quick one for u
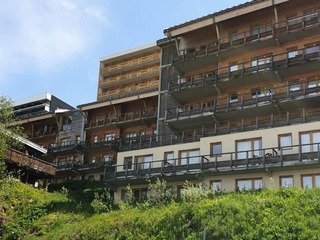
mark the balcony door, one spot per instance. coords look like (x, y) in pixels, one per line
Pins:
(250, 148)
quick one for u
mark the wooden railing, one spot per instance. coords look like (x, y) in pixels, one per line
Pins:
(130, 63)
(129, 75)
(305, 154)
(130, 89)
(124, 117)
(30, 162)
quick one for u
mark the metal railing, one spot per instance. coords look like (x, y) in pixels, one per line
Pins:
(268, 96)
(300, 23)
(83, 166)
(273, 63)
(232, 161)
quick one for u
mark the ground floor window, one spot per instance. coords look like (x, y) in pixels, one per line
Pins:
(249, 184)
(311, 181)
(216, 185)
(137, 194)
(286, 181)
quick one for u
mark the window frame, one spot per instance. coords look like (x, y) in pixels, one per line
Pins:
(279, 141)
(188, 151)
(252, 150)
(313, 181)
(286, 177)
(253, 183)
(216, 181)
(212, 154)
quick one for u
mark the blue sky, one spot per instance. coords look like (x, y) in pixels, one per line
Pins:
(55, 45)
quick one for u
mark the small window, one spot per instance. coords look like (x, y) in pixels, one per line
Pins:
(233, 36)
(233, 98)
(127, 163)
(295, 86)
(285, 141)
(311, 181)
(95, 139)
(286, 181)
(216, 149)
(216, 185)
(169, 158)
(93, 160)
(233, 68)
(292, 53)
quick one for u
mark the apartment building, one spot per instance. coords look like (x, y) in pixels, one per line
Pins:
(238, 102)
(230, 99)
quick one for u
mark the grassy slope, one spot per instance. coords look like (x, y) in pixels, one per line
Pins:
(269, 214)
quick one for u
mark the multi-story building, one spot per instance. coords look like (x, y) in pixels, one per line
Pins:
(230, 99)
(238, 102)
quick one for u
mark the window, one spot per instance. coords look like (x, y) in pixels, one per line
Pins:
(292, 53)
(261, 61)
(216, 149)
(138, 194)
(309, 141)
(109, 137)
(91, 177)
(311, 181)
(127, 163)
(216, 185)
(285, 141)
(129, 136)
(249, 184)
(233, 36)
(143, 162)
(249, 148)
(107, 158)
(169, 158)
(93, 160)
(233, 68)
(295, 86)
(189, 156)
(313, 83)
(261, 92)
(95, 139)
(233, 98)
(292, 20)
(286, 181)
(257, 30)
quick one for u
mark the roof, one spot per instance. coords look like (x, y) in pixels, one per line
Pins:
(213, 15)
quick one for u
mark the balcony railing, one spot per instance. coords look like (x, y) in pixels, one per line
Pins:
(131, 62)
(44, 133)
(219, 128)
(130, 90)
(125, 117)
(116, 80)
(35, 164)
(64, 146)
(79, 166)
(225, 74)
(300, 23)
(266, 97)
(267, 158)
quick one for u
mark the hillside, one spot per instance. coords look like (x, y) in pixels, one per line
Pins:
(269, 214)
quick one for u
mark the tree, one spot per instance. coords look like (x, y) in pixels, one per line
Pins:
(8, 130)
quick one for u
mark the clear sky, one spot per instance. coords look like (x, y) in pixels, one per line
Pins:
(55, 45)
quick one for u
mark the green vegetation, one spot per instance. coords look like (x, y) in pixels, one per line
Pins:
(82, 210)
(6, 129)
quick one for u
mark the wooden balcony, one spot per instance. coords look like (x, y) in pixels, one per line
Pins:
(139, 117)
(209, 54)
(130, 64)
(130, 77)
(220, 128)
(270, 101)
(131, 90)
(297, 156)
(42, 133)
(110, 144)
(30, 163)
(276, 68)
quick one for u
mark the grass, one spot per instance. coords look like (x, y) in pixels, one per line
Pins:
(266, 214)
